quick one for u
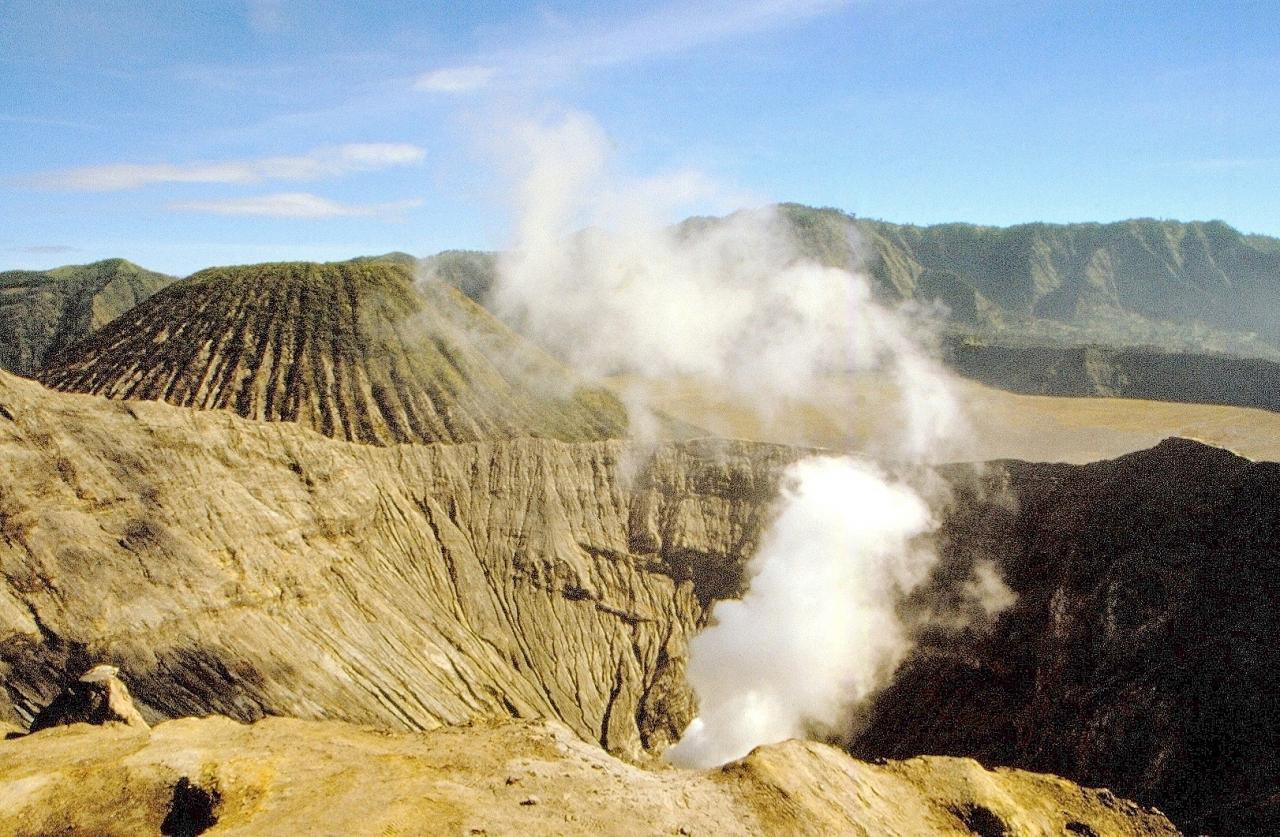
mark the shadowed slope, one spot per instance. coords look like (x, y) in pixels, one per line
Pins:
(1141, 651)
(353, 350)
(42, 311)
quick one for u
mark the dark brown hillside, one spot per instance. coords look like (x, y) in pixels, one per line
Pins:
(356, 351)
(1141, 654)
(1124, 372)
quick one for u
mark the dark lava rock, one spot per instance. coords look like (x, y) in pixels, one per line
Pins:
(1141, 653)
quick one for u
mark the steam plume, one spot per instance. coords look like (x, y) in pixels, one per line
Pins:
(816, 631)
(733, 304)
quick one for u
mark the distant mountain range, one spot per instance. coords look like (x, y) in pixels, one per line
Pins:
(1198, 286)
(1166, 284)
(1143, 295)
(42, 311)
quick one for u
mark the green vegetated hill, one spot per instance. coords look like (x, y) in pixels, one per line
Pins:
(1195, 286)
(356, 350)
(1200, 286)
(42, 311)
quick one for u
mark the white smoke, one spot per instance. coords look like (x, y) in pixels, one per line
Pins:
(732, 304)
(987, 589)
(729, 303)
(816, 631)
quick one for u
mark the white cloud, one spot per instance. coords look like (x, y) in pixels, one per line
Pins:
(45, 249)
(314, 165)
(674, 28)
(456, 79)
(689, 25)
(266, 16)
(302, 205)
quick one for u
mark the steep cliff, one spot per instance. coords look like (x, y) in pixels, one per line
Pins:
(1121, 372)
(256, 568)
(43, 311)
(1140, 653)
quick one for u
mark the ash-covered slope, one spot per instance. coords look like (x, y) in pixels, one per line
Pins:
(43, 311)
(252, 568)
(354, 350)
(1141, 653)
(249, 568)
(282, 776)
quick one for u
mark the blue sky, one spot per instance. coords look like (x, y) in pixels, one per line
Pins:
(181, 135)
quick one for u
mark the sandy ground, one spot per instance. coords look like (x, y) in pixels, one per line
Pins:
(857, 412)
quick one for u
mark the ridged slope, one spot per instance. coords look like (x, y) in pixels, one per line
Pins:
(1196, 285)
(42, 311)
(354, 350)
(253, 568)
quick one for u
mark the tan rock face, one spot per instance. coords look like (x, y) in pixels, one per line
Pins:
(98, 697)
(283, 776)
(253, 568)
(256, 568)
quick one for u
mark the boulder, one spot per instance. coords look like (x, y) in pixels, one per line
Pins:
(98, 697)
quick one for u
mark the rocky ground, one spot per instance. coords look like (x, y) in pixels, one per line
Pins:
(285, 776)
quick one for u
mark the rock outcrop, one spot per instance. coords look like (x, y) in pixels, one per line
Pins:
(282, 776)
(1141, 652)
(43, 311)
(354, 350)
(97, 697)
(253, 568)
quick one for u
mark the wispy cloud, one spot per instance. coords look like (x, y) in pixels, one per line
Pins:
(456, 79)
(301, 205)
(1226, 164)
(45, 249)
(685, 26)
(266, 16)
(675, 28)
(314, 165)
(19, 119)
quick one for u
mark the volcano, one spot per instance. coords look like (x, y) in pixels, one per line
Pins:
(356, 351)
